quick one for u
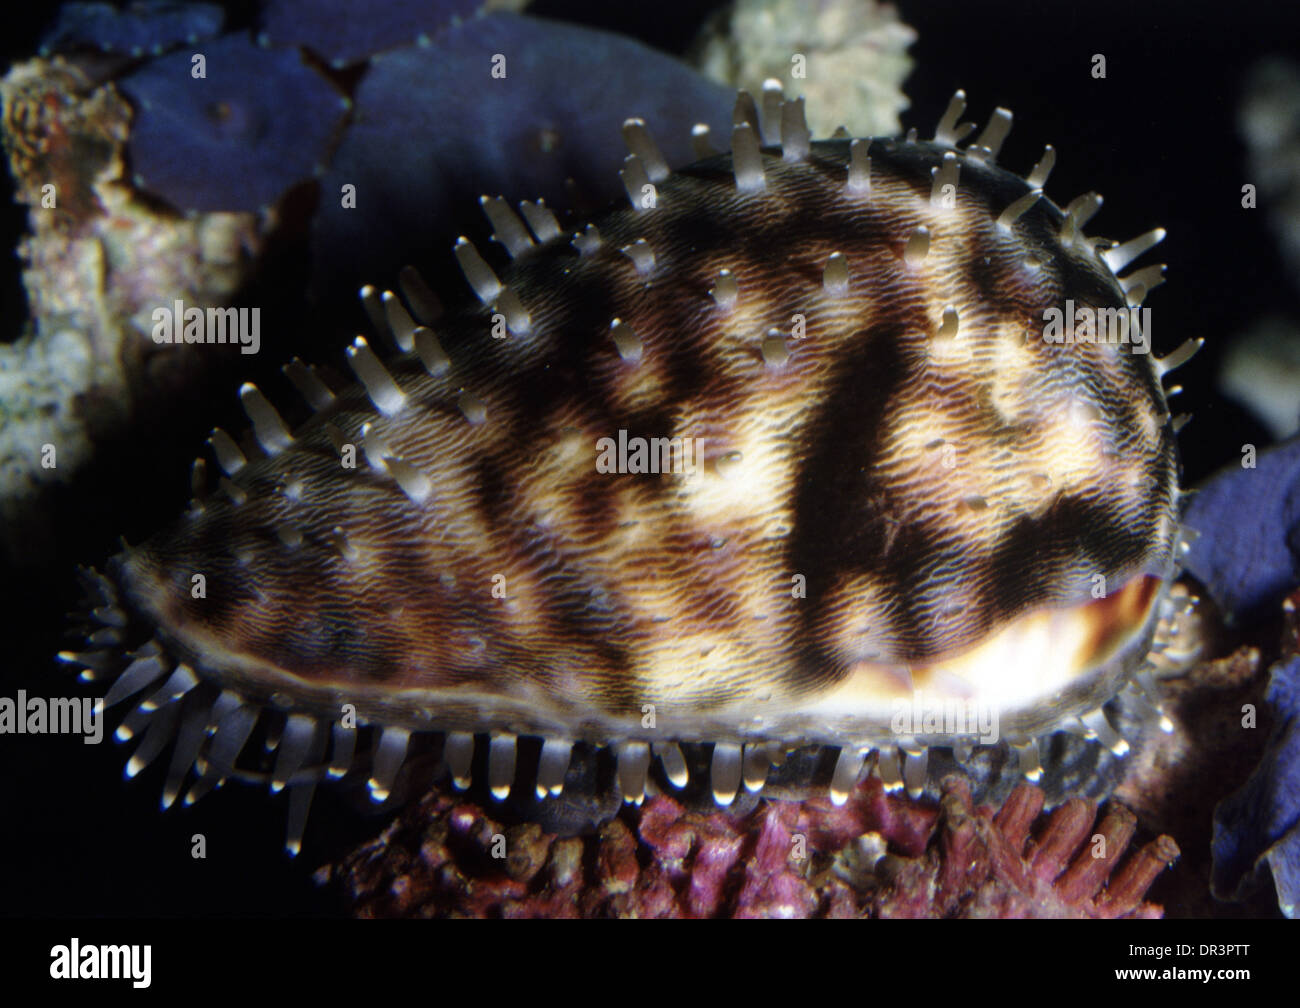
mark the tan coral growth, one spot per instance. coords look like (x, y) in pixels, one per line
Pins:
(98, 260)
(847, 57)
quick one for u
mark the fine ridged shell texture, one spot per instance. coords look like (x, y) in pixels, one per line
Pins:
(749, 460)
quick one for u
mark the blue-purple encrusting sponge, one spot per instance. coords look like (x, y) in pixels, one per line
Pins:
(146, 26)
(1248, 553)
(1261, 822)
(341, 33)
(462, 133)
(237, 139)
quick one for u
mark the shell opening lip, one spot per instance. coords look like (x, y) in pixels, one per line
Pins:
(1092, 648)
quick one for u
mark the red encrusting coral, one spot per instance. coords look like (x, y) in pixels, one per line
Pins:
(878, 856)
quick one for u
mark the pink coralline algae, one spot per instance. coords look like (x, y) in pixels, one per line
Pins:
(877, 856)
(982, 863)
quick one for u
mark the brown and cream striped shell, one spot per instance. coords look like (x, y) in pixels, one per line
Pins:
(751, 461)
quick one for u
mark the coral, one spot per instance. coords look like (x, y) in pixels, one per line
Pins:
(1248, 564)
(61, 132)
(539, 131)
(145, 26)
(849, 58)
(36, 410)
(986, 864)
(333, 31)
(97, 262)
(235, 139)
(878, 855)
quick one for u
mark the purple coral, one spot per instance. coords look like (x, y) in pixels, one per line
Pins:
(145, 26)
(235, 139)
(342, 31)
(1248, 553)
(498, 107)
(448, 109)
